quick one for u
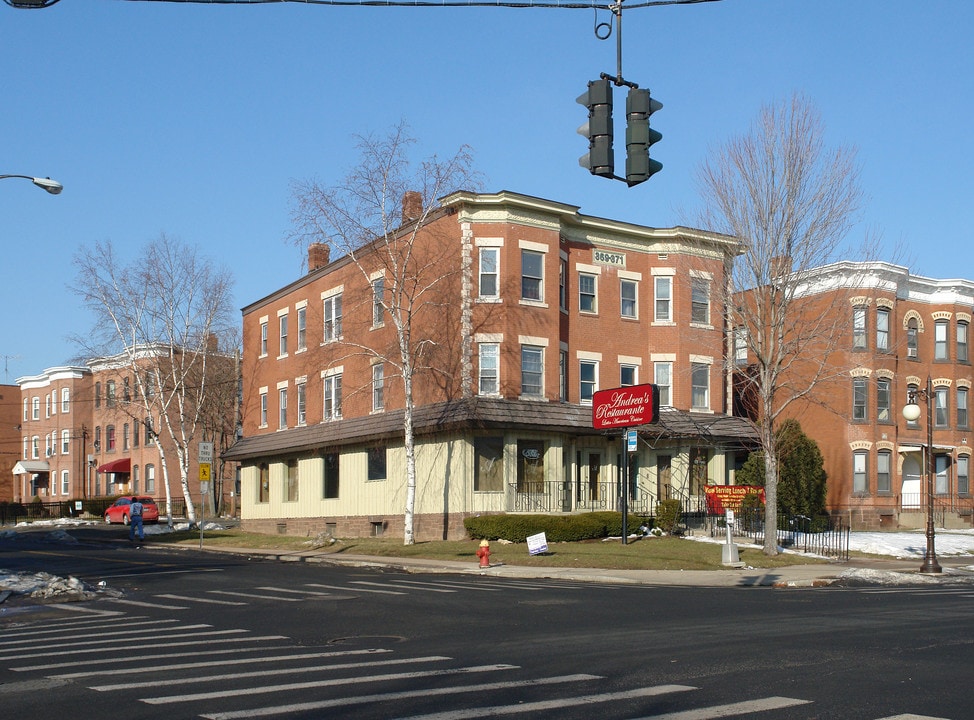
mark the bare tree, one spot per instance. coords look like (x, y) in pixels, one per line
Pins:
(381, 217)
(161, 317)
(792, 201)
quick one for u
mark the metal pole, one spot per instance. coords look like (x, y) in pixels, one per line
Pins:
(930, 564)
(624, 486)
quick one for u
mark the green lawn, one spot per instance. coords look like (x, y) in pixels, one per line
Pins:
(666, 553)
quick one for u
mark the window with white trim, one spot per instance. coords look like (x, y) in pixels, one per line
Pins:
(489, 285)
(588, 380)
(532, 275)
(587, 286)
(860, 472)
(378, 301)
(664, 381)
(962, 417)
(332, 312)
(859, 328)
(489, 372)
(859, 399)
(302, 327)
(263, 338)
(663, 299)
(282, 323)
(940, 340)
(699, 386)
(628, 375)
(882, 329)
(282, 407)
(263, 411)
(962, 349)
(332, 405)
(378, 387)
(628, 307)
(532, 370)
(700, 301)
(884, 463)
(302, 388)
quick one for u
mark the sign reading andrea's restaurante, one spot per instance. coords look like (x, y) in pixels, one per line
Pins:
(625, 406)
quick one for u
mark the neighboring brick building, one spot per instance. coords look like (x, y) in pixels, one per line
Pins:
(898, 329)
(529, 308)
(10, 450)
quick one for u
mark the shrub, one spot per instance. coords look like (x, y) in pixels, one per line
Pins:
(668, 515)
(557, 528)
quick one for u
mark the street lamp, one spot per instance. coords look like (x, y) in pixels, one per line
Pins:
(911, 412)
(52, 186)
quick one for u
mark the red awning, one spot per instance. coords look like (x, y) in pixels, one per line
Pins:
(122, 465)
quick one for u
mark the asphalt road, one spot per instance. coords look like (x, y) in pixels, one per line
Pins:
(183, 633)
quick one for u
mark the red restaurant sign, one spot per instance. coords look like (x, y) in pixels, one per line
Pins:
(625, 406)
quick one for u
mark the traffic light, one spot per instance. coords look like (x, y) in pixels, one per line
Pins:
(598, 128)
(639, 136)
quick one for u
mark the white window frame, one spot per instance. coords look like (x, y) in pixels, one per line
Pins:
(331, 310)
(537, 282)
(263, 408)
(535, 352)
(282, 330)
(588, 380)
(588, 297)
(331, 393)
(282, 406)
(488, 374)
(489, 257)
(302, 323)
(378, 387)
(697, 369)
(633, 301)
(663, 293)
(301, 389)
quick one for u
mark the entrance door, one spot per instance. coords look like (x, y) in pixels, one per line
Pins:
(664, 465)
(590, 492)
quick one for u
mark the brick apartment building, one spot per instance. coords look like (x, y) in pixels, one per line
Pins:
(899, 329)
(85, 434)
(529, 307)
(9, 438)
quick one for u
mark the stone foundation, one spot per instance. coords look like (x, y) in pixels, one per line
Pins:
(425, 527)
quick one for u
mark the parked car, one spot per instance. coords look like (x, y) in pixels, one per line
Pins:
(118, 512)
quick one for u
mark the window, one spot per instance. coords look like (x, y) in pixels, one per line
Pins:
(489, 266)
(627, 299)
(700, 386)
(532, 275)
(136, 431)
(859, 328)
(963, 475)
(378, 386)
(378, 301)
(912, 338)
(586, 293)
(962, 355)
(859, 478)
(65, 483)
(882, 329)
(664, 374)
(147, 423)
(377, 463)
(563, 284)
(664, 291)
(332, 408)
(110, 438)
(263, 482)
(65, 442)
(530, 466)
(740, 345)
(110, 393)
(302, 388)
(588, 376)
(700, 301)
(563, 375)
(962, 417)
(532, 370)
(47, 406)
(282, 321)
(97, 443)
(135, 475)
(488, 383)
(330, 480)
(941, 484)
(940, 411)
(859, 399)
(628, 375)
(36, 446)
(302, 328)
(488, 471)
(263, 339)
(940, 340)
(333, 318)
(911, 396)
(263, 411)
(26, 409)
(883, 400)
(36, 408)
(883, 465)
(291, 486)
(127, 390)
(282, 408)
(126, 438)
(150, 478)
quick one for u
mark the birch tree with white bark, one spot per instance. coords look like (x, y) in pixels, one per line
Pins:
(362, 217)
(792, 200)
(160, 317)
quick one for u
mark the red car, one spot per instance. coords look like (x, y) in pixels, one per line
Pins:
(118, 512)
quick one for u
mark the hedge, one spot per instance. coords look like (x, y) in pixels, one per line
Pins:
(557, 528)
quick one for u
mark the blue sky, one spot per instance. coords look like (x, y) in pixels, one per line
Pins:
(193, 119)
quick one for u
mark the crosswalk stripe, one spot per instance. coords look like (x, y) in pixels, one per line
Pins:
(392, 584)
(548, 705)
(348, 589)
(402, 695)
(139, 603)
(126, 660)
(910, 716)
(222, 663)
(462, 586)
(264, 689)
(266, 673)
(254, 595)
(297, 592)
(211, 601)
(73, 607)
(81, 625)
(731, 709)
(156, 645)
(80, 639)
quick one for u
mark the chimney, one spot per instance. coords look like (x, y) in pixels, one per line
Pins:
(318, 254)
(412, 206)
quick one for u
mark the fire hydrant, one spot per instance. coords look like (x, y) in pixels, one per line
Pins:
(483, 552)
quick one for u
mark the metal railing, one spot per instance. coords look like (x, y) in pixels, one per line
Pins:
(12, 513)
(824, 535)
(558, 496)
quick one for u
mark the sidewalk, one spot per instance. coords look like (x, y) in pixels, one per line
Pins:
(879, 571)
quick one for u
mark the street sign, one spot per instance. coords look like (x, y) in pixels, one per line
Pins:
(625, 406)
(204, 488)
(205, 452)
(631, 441)
(204, 471)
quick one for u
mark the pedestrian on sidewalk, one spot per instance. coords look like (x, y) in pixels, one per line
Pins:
(135, 520)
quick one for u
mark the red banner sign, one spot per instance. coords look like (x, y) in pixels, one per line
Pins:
(625, 406)
(729, 497)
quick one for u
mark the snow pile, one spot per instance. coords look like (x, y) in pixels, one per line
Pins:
(45, 586)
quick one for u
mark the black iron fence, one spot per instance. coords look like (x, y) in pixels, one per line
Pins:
(559, 496)
(824, 535)
(12, 513)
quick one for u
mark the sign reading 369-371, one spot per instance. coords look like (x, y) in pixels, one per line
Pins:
(625, 406)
